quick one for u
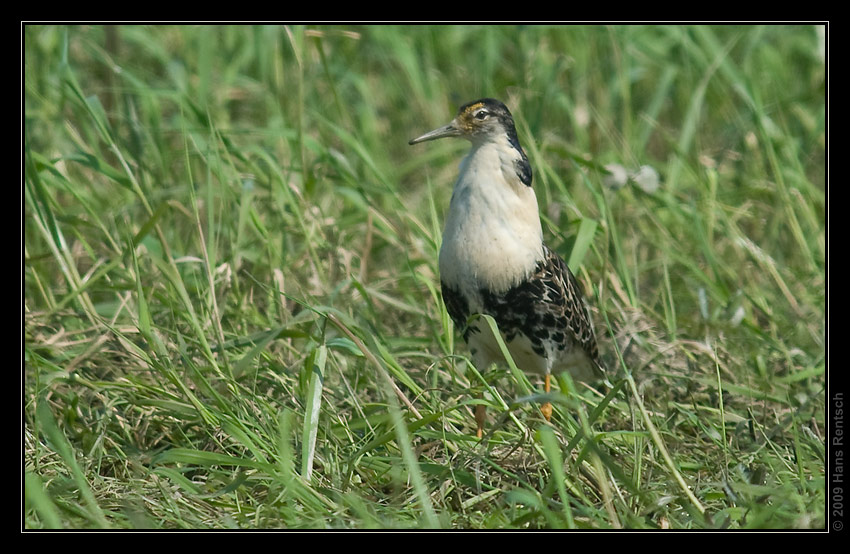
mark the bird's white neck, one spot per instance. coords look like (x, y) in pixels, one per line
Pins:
(493, 230)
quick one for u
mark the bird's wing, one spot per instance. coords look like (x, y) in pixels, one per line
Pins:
(566, 299)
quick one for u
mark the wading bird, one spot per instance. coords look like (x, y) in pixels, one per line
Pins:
(493, 260)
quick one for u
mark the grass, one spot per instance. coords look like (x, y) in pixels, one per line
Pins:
(232, 315)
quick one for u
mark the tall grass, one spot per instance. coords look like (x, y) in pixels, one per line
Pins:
(232, 315)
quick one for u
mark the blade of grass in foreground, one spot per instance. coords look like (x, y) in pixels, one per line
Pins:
(37, 497)
(402, 436)
(60, 442)
(553, 455)
(312, 409)
(659, 443)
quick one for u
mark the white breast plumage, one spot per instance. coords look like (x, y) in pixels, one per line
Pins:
(493, 238)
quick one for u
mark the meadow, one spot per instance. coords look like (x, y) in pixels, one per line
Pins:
(231, 306)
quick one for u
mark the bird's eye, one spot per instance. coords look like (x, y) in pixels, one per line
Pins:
(482, 114)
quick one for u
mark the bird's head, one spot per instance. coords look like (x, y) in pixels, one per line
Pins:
(477, 121)
(486, 121)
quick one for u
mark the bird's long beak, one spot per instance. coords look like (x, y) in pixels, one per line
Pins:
(449, 130)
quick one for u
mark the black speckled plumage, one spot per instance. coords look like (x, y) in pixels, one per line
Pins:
(547, 308)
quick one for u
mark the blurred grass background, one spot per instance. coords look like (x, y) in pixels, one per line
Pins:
(231, 307)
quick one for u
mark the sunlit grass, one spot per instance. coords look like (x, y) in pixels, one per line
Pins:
(232, 315)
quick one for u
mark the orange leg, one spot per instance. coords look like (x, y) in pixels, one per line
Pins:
(480, 416)
(547, 407)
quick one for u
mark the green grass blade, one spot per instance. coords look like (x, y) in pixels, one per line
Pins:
(38, 498)
(313, 409)
(60, 443)
(552, 449)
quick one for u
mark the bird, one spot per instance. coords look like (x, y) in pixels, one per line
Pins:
(493, 259)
